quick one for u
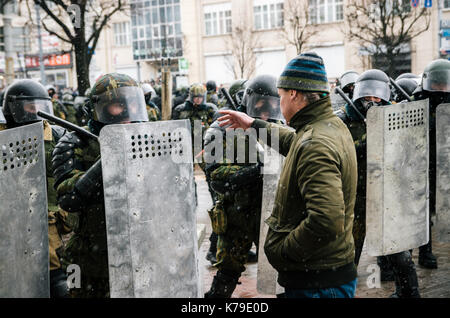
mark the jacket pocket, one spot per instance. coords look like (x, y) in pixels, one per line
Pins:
(218, 218)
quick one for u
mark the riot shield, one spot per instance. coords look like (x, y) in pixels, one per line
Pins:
(442, 226)
(397, 178)
(24, 255)
(148, 185)
(267, 275)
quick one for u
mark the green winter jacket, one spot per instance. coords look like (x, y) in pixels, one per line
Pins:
(310, 240)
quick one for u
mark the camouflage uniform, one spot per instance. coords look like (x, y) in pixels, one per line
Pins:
(71, 113)
(59, 109)
(88, 246)
(237, 212)
(204, 112)
(153, 112)
(211, 97)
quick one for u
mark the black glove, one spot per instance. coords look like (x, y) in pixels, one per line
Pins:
(63, 156)
(89, 185)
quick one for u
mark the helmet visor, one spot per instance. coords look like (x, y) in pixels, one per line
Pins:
(436, 81)
(374, 88)
(121, 105)
(264, 107)
(25, 110)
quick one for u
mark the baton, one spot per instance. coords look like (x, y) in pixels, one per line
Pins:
(349, 101)
(228, 97)
(401, 90)
(68, 125)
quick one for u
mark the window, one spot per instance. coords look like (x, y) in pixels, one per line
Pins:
(156, 29)
(268, 14)
(446, 4)
(122, 34)
(217, 19)
(323, 11)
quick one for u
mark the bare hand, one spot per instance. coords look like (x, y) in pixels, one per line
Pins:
(234, 119)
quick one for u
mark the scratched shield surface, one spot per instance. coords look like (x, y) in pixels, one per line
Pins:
(397, 177)
(442, 226)
(24, 266)
(148, 185)
(267, 275)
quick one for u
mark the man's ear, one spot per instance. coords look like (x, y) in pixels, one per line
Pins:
(293, 94)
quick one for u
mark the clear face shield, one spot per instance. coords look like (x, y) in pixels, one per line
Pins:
(239, 96)
(25, 110)
(121, 106)
(436, 81)
(197, 99)
(265, 107)
(374, 88)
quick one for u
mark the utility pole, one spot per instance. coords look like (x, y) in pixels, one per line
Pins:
(41, 55)
(166, 89)
(9, 42)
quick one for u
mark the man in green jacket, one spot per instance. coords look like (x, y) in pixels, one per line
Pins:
(310, 240)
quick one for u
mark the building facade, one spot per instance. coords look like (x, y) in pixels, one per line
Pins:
(222, 40)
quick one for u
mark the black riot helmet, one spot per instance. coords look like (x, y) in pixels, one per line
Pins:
(407, 75)
(347, 82)
(211, 86)
(237, 90)
(24, 98)
(408, 85)
(261, 98)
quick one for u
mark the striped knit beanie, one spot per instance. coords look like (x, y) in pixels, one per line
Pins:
(306, 72)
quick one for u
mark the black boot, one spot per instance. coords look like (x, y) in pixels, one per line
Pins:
(58, 284)
(211, 255)
(386, 272)
(426, 257)
(252, 257)
(222, 286)
(406, 283)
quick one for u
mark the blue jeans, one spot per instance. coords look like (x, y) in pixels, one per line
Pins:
(343, 291)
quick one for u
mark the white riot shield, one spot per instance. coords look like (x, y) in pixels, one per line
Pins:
(267, 275)
(24, 256)
(397, 178)
(442, 226)
(148, 185)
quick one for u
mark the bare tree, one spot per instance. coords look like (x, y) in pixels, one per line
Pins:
(242, 43)
(383, 27)
(88, 17)
(298, 27)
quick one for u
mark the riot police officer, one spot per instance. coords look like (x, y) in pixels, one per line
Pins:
(408, 85)
(21, 102)
(435, 85)
(114, 99)
(152, 110)
(347, 82)
(211, 95)
(372, 89)
(236, 215)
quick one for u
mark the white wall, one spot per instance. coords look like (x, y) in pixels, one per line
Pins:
(216, 69)
(270, 62)
(333, 58)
